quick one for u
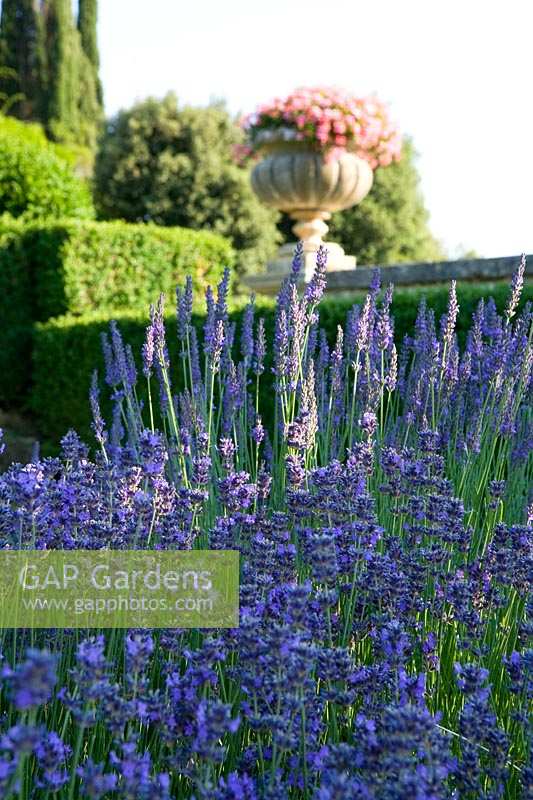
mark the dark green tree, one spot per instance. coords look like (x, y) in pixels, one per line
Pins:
(174, 166)
(87, 17)
(391, 224)
(62, 71)
(49, 68)
(73, 110)
(21, 58)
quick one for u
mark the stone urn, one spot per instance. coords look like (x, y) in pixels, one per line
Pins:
(295, 178)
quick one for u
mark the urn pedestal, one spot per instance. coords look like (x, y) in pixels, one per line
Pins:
(309, 186)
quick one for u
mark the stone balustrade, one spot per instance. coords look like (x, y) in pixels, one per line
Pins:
(468, 269)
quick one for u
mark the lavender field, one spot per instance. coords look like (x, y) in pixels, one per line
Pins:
(379, 503)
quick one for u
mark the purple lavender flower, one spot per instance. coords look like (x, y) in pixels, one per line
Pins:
(258, 431)
(297, 260)
(368, 423)
(361, 570)
(471, 680)
(72, 448)
(136, 780)
(52, 754)
(227, 449)
(235, 787)
(213, 720)
(112, 372)
(295, 469)
(260, 348)
(184, 300)
(210, 317)
(451, 314)
(139, 648)
(236, 491)
(98, 424)
(289, 284)
(391, 378)
(214, 348)
(21, 739)
(32, 682)
(8, 770)
(221, 308)
(148, 351)
(375, 282)
(517, 285)
(96, 783)
(384, 330)
(316, 286)
(153, 452)
(363, 326)
(247, 336)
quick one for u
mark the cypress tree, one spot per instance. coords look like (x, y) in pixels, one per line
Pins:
(87, 16)
(62, 118)
(73, 110)
(21, 58)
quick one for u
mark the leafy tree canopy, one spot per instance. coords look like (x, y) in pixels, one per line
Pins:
(174, 166)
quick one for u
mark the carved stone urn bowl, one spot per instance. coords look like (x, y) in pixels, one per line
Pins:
(309, 186)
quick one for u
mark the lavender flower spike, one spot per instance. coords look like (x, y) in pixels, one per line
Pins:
(316, 286)
(148, 351)
(297, 261)
(184, 301)
(98, 424)
(517, 284)
(451, 315)
(247, 336)
(260, 348)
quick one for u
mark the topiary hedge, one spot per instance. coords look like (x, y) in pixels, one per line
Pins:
(67, 349)
(81, 267)
(76, 267)
(16, 312)
(36, 183)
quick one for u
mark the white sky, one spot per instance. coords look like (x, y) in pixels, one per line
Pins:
(458, 77)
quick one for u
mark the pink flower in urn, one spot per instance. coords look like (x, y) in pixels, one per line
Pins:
(330, 120)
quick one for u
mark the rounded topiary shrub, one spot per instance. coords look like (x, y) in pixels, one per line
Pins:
(36, 183)
(175, 166)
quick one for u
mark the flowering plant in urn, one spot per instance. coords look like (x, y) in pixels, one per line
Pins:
(329, 120)
(318, 148)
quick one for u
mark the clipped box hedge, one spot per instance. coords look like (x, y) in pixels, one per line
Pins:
(36, 181)
(67, 349)
(16, 312)
(75, 267)
(80, 267)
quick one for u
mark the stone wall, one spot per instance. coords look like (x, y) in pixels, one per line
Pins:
(471, 269)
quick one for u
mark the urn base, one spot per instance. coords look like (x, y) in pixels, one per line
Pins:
(280, 267)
